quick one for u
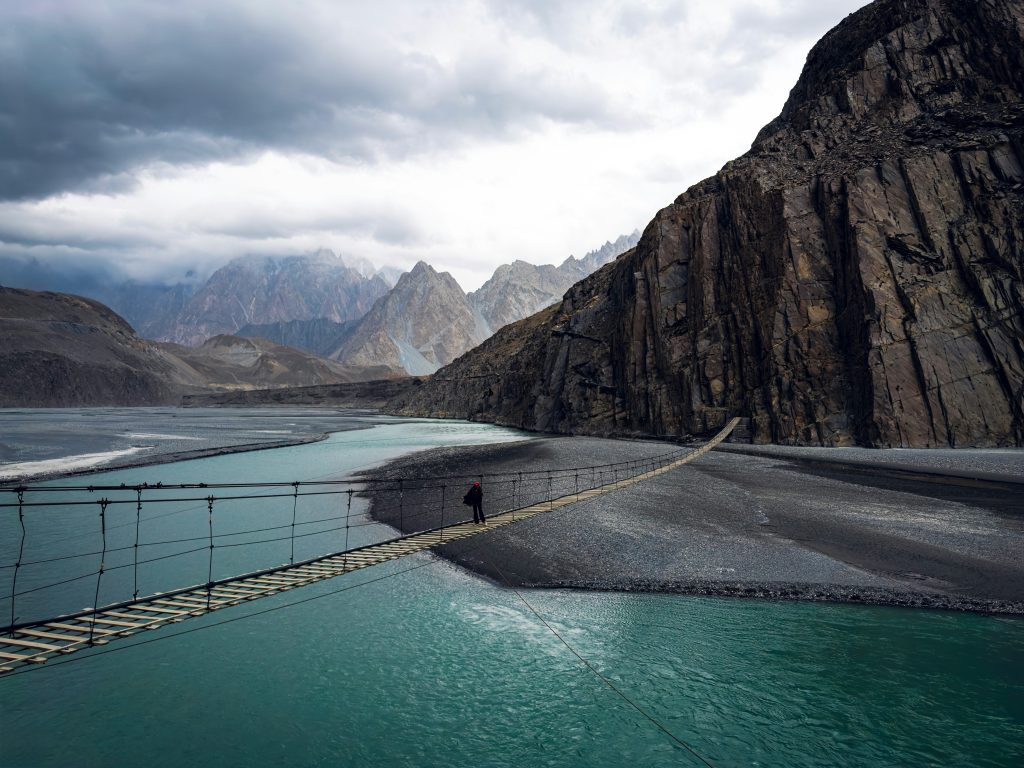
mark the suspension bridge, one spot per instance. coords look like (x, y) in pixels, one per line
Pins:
(35, 639)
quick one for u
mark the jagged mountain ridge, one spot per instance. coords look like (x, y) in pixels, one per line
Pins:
(424, 322)
(520, 289)
(855, 278)
(439, 310)
(266, 290)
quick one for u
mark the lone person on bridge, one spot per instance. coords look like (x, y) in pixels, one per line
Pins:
(476, 498)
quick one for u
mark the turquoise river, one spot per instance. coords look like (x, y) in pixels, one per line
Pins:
(417, 663)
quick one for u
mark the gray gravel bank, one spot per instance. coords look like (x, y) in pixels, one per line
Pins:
(739, 525)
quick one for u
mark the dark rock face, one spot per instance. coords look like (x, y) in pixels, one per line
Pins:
(857, 277)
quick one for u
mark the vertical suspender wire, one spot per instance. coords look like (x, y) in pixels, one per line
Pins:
(209, 574)
(21, 552)
(348, 514)
(138, 520)
(99, 574)
(401, 506)
(295, 504)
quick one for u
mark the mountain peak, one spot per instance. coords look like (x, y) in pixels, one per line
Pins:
(422, 268)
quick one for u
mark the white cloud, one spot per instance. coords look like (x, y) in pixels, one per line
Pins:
(467, 134)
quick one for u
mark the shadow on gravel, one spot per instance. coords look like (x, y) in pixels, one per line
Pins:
(1004, 499)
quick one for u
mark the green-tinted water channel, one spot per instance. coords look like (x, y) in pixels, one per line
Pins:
(432, 666)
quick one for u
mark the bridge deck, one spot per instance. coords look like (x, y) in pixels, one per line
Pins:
(36, 642)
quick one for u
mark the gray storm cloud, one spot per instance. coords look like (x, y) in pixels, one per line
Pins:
(393, 130)
(90, 92)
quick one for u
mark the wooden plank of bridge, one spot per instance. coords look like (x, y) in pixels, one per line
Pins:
(176, 606)
(21, 657)
(31, 644)
(50, 635)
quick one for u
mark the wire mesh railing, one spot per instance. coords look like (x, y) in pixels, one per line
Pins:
(68, 546)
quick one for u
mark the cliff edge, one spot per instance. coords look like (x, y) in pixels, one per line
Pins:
(855, 278)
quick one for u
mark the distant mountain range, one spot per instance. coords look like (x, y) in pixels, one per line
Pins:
(254, 289)
(65, 350)
(345, 309)
(426, 320)
(262, 322)
(519, 289)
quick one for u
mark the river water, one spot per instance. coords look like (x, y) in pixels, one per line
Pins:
(415, 662)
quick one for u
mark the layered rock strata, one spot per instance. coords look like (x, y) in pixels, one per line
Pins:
(855, 278)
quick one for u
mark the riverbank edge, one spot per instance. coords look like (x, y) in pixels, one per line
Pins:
(733, 589)
(783, 591)
(169, 458)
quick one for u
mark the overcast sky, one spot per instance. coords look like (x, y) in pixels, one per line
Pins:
(144, 140)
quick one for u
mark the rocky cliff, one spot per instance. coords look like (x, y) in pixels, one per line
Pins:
(424, 322)
(855, 278)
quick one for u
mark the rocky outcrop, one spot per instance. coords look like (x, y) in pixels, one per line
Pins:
(424, 322)
(519, 289)
(60, 351)
(260, 290)
(857, 277)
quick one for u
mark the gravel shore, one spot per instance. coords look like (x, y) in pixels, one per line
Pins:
(901, 529)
